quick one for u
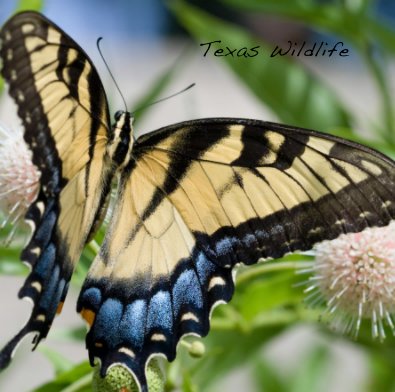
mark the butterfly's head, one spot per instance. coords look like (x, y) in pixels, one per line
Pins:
(121, 141)
(121, 117)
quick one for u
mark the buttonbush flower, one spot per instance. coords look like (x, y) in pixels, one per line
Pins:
(19, 178)
(119, 379)
(354, 275)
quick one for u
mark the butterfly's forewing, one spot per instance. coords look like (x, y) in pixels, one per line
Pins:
(63, 108)
(198, 198)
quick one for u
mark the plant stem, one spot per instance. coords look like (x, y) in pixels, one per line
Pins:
(94, 247)
(251, 273)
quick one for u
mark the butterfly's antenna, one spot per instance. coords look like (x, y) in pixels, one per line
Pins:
(164, 99)
(108, 69)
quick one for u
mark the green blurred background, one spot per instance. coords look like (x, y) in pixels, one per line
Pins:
(267, 339)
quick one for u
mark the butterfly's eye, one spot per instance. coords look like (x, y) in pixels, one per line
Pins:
(118, 115)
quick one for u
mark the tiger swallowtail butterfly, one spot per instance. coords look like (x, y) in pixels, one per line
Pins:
(193, 200)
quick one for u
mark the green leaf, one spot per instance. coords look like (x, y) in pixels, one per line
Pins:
(226, 350)
(67, 334)
(267, 378)
(87, 257)
(60, 363)
(283, 85)
(330, 17)
(77, 379)
(268, 293)
(381, 373)
(357, 24)
(187, 384)
(10, 263)
(312, 375)
(351, 21)
(292, 262)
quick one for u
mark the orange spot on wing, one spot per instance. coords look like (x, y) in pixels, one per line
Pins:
(88, 315)
(60, 307)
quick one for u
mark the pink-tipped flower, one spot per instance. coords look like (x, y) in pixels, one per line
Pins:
(355, 276)
(19, 178)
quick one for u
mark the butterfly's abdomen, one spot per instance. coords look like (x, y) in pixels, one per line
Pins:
(121, 142)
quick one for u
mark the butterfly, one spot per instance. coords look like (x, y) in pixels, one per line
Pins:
(193, 200)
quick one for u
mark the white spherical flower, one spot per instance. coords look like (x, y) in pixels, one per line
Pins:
(354, 275)
(19, 178)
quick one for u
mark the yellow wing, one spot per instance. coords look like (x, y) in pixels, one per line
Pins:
(198, 198)
(64, 111)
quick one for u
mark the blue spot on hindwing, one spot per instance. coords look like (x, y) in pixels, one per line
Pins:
(249, 240)
(108, 321)
(205, 268)
(225, 246)
(91, 298)
(187, 290)
(47, 297)
(132, 326)
(160, 311)
(44, 230)
(56, 298)
(262, 235)
(45, 262)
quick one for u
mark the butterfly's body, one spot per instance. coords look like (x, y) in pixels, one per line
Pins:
(193, 200)
(121, 142)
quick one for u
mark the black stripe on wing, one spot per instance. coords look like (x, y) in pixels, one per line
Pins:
(193, 147)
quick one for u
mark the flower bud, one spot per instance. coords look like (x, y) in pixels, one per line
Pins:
(197, 349)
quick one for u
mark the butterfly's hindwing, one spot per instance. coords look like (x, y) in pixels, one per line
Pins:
(199, 198)
(63, 108)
